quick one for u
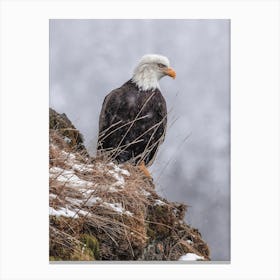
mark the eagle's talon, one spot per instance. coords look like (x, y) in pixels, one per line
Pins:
(145, 170)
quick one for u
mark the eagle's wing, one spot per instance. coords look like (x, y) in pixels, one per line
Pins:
(107, 112)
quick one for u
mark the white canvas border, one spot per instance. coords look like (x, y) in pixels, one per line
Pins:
(254, 131)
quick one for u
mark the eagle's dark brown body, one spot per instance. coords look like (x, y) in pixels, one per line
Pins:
(132, 124)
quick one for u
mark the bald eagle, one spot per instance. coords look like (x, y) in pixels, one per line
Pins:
(133, 118)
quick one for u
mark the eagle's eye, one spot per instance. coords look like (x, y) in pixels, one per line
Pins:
(160, 65)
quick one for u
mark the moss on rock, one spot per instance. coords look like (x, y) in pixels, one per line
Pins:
(91, 244)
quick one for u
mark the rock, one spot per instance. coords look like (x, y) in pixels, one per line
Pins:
(60, 124)
(103, 211)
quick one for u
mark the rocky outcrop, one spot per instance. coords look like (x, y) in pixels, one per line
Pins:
(103, 211)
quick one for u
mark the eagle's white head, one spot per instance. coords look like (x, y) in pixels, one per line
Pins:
(151, 68)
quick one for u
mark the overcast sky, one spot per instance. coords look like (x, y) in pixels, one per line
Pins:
(89, 58)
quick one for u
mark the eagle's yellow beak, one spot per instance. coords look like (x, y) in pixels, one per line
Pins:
(170, 72)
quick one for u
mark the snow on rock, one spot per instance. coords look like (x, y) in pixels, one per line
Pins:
(89, 195)
(82, 212)
(191, 257)
(159, 202)
(92, 201)
(68, 177)
(87, 191)
(52, 196)
(67, 139)
(119, 179)
(74, 201)
(113, 189)
(68, 155)
(66, 212)
(117, 208)
(117, 173)
(55, 170)
(83, 167)
(62, 212)
(118, 169)
(145, 192)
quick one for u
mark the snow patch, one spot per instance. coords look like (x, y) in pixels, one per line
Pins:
(118, 169)
(117, 173)
(119, 179)
(159, 202)
(82, 212)
(144, 192)
(69, 177)
(190, 257)
(69, 155)
(52, 196)
(55, 170)
(113, 189)
(117, 208)
(62, 212)
(74, 201)
(86, 192)
(84, 202)
(93, 200)
(67, 139)
(83, 167)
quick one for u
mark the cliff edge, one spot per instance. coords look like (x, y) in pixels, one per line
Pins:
(99, 210)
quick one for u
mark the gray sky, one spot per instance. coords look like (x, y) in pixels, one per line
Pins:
(89, 58)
